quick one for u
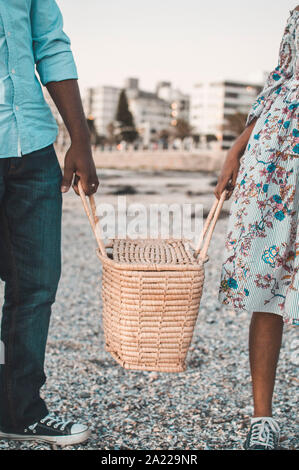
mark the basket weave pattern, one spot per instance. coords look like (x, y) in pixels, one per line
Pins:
(149, 308)
(151, 293)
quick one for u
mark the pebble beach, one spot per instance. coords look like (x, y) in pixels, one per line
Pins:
(208, 406)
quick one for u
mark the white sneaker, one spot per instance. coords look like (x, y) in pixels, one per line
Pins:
(52, 430)
(263, 434)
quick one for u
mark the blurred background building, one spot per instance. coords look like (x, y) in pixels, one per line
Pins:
(100, 104)
(154, 112)
(165, 55)
(219, 109)
(212, 117)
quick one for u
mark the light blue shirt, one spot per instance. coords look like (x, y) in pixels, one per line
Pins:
(31, 34)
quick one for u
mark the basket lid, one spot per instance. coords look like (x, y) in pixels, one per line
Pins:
(153, 251)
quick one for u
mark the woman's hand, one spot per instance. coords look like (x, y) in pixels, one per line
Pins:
(228, 175)
(230, 169)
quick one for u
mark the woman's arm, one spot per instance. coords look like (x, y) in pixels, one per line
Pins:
(230, 169)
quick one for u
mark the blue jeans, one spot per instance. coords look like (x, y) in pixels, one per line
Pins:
(30, 264)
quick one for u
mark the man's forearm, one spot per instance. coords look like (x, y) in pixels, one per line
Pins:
(78, 162)
(66, 96)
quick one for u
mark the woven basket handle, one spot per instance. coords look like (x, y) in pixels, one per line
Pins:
(92, 217)
(209, 226)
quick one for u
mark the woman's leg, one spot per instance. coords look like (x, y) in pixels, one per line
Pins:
(264, 345)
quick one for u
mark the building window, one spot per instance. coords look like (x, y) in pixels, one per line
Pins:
(229, 94)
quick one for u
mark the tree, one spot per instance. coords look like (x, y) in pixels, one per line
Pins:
(111, 133)
(100, 140)
(93, 131)
(124, 117)
(182, 129)
(235, 123)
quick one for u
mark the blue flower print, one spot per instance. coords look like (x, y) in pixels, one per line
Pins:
(259, 264)
(271, 167)
(270, 254)
(279, 215)
(232, 283)
(296, 148)
(277, 198)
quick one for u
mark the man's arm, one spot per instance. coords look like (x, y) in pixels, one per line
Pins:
(57, 70)
(78, 159)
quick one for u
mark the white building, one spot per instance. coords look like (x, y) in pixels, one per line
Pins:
(151, 113)
(100, 104)
(212, 103)
(179, 102)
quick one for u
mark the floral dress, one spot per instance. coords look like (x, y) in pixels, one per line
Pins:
(260, 267)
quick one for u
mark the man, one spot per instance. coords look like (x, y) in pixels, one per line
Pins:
(31, 184)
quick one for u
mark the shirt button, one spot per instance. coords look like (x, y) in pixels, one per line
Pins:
(13, 71)
(8, 33)
(17, 108)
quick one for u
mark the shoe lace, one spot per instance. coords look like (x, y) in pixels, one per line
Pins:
(263, 432)
(51, 420)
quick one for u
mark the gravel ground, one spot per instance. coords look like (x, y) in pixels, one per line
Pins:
(206, 407)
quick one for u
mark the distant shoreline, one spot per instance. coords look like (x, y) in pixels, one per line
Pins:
(204, 161)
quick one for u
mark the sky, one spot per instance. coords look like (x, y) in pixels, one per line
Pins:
(184, 42)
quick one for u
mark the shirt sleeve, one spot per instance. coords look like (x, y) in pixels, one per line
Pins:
(51, 46)
(284, 69)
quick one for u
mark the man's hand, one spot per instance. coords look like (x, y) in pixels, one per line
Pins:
(79, 162)
(78, 159)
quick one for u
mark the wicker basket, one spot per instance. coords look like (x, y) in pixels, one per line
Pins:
(151, 293)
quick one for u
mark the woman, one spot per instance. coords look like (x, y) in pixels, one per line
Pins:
(260, 269)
